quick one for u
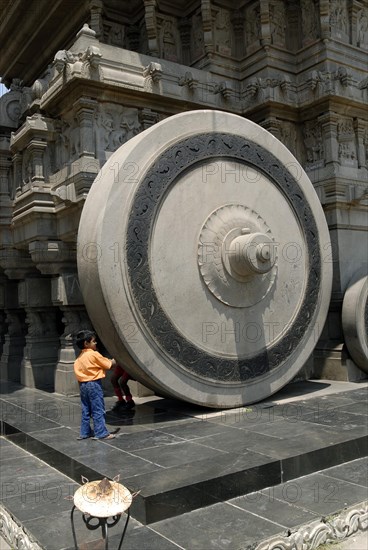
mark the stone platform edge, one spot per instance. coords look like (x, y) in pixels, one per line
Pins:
(334, 528)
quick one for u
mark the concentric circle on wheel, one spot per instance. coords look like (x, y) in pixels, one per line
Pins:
(209, 278)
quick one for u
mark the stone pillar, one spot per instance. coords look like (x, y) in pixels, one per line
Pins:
(37, 150)
(96, 24)
(237, 20)
(272, 125)
(207, 19)
(42, 340)
(14, 332)
(67, 296)
(360, 129)
(151, 26)
(265, 22)
(17, 173)
(324, 15)
(85, 112)
(185, 28)
(329, 123)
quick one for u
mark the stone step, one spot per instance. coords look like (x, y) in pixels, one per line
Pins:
(183, 458)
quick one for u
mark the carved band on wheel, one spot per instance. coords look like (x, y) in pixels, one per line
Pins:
(209, 277)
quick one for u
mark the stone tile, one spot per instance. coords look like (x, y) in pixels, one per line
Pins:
(359, 407)
(142, 538)
(110, 461)
(245, 417)
(337, 418)
(238, 441)
(178, 453)
(8, 451)
(265, 505)
(216, 527)
(144, 440)
(355, 471)
(195, 430)
(62, 536)
(320, 494)
(36, 499)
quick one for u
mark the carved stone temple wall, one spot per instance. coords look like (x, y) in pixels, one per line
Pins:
(85, 77)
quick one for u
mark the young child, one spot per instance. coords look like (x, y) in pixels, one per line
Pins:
(89, 368)
(119, 380)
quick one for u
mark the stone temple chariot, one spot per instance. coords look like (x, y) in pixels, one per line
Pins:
(222, 249)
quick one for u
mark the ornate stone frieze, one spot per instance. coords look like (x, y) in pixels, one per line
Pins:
(327, 530)
(14, 534)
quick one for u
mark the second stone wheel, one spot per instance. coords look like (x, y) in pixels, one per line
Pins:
(201, 259)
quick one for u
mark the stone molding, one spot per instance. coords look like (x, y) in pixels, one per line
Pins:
(14, 534)
(331, 529)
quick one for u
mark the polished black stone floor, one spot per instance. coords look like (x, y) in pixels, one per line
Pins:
(203, 475)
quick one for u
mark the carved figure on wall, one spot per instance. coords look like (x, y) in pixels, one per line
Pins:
(362, 27)
(14, 322)
(115, 125)
(310, 20)
(313, 142)
(288, 136)
(339, 16)
(223, 32)
(72, 321)
(34, 322)
(114, 34)
(197, 36)
(107, 124)
(346, 139)
(278, 23)
(252, 24)
(169, 41)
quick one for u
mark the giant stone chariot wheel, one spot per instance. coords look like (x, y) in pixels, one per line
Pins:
(201, 254)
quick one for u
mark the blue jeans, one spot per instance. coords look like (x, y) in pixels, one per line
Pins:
(93, 406)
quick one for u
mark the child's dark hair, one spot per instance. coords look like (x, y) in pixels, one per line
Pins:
(84, 336)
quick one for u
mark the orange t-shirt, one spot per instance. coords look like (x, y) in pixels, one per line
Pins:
(91, 365)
